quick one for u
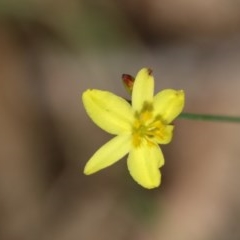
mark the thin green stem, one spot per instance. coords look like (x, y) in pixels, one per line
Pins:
(209, 117)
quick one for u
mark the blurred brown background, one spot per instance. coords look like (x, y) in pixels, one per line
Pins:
(50, 52)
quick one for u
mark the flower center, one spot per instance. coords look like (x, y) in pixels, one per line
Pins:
(147, 128)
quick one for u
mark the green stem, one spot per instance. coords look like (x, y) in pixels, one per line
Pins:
(209, 117)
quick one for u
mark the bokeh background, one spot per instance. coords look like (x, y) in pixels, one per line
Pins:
(50, 52)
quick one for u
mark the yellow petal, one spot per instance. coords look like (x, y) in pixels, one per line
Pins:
(143, 89)
(166, 135)
(110, 112)
(144, 163)
(168, 104)
(108, 154)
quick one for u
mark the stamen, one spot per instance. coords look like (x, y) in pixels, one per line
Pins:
(146, 128)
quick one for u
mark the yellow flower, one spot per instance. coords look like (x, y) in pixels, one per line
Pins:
(139, 127)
